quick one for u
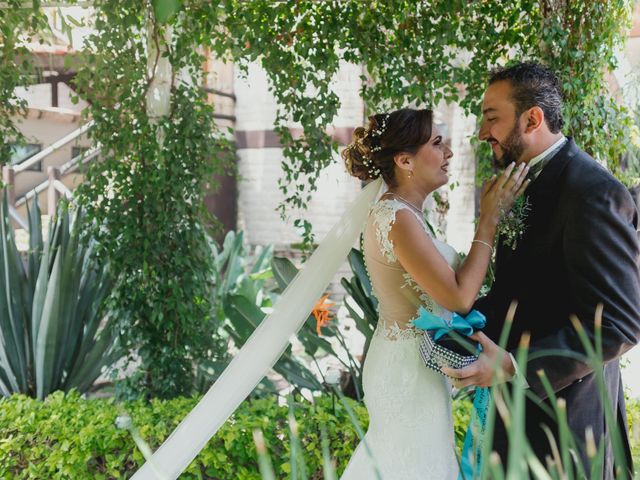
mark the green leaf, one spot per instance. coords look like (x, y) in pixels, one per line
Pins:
(284, 271)
(164, 9)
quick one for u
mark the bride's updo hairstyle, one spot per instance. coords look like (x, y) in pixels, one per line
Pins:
(370, 154)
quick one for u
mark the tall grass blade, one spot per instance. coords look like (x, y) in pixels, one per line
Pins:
(264, 462)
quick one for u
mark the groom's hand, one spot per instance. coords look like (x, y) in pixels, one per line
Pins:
(481, 372)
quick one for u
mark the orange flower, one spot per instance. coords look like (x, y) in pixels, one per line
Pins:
(322, 313)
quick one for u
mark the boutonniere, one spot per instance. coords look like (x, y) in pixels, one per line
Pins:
(512, 222)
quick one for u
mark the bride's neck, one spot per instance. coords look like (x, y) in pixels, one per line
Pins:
(411, 195)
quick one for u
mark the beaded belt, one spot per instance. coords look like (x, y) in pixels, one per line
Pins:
(436, 356)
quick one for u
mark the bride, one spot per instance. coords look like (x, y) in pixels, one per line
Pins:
(410, 433)
(411, 429)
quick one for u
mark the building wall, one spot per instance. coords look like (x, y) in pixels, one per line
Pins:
(461, 191)
(45, 127)
(260, 165)
(39, 96)
(260, 158)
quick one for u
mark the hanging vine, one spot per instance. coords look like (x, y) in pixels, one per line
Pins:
(579, 40)
(145, 199)
(411, 52)
(18, 25)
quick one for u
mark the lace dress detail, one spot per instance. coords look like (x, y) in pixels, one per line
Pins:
(410, 422)
(384, 214)
(393, 331)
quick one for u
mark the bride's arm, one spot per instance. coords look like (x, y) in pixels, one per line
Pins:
(455, 290)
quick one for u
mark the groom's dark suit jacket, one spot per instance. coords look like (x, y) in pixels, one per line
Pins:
(579, 249)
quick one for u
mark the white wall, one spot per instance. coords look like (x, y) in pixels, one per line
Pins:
(460, 227)
(260, 168)
(39, 96)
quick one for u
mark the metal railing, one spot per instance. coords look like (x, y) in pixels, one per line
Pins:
(52, 148)
(13, 213)
(53, 185)
(54, 173)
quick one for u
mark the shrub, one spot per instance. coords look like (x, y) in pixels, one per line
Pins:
(68, 437)
(633, 416)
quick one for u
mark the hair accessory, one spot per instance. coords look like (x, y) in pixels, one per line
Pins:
(377, 132)
(374, 171)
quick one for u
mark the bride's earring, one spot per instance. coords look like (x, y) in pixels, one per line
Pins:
(410, 174)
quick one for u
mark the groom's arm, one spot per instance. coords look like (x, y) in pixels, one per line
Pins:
(601, 252)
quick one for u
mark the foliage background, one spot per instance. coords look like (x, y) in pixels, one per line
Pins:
(145, 199)
(68, 437)
(17, 25)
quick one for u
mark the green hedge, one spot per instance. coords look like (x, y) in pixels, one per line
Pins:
(633, 416)
(68, 437)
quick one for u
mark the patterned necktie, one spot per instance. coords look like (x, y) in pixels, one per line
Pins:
(537, 168)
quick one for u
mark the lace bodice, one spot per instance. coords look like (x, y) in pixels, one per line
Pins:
(399, 295)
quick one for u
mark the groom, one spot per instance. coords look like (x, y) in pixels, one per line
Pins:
(579, 249)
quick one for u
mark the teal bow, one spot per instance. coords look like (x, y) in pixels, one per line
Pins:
(459, 324)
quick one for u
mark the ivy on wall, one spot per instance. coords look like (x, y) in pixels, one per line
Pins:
(413, 53)
(579, 40)
(422, 53)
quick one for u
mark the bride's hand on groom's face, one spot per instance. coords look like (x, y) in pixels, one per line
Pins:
(481, 372)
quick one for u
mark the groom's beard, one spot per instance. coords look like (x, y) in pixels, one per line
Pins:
(512, 148)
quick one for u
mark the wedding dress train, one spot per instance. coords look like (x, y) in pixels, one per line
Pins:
(410, 434)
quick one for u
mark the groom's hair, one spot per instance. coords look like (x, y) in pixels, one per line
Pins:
(534, 85)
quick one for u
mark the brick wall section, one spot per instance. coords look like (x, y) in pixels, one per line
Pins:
(260, 168)
(259, 196)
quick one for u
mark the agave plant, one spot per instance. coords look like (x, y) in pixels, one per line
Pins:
(54, 334)
(234, 273)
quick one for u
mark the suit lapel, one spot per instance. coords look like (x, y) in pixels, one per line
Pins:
(542, 193)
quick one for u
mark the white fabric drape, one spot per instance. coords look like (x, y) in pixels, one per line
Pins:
(264, 347)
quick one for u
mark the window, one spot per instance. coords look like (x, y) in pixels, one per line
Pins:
(23, 152)
(75, 151)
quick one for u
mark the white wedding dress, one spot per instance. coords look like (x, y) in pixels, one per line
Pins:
(410, 435)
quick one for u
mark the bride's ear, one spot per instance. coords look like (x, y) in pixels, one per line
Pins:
(404, 161)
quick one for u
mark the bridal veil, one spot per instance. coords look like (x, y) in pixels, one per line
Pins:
(264, 347)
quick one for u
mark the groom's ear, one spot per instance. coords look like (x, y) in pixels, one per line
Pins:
(535, 119)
